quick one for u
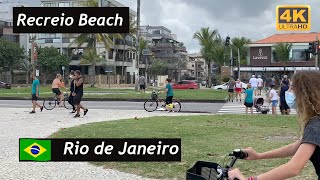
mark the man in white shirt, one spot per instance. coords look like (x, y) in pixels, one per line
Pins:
(260, 84)
(273, 99)
(254, 84)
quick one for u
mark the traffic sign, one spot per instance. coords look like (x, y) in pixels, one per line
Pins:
(63, 68)
(37, 73)
(145, 52)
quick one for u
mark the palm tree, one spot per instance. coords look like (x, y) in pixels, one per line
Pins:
(206, 38)
(132, 31)
(241, 44)
(91, 40)
(282, 51)
(27, 67)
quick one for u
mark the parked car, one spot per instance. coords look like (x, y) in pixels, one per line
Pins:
(203, 82)
(4, 85)
(186, 84)
(225, 86)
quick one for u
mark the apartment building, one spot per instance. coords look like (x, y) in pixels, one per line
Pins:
(164, 45)
(122, 53)
(196, 67)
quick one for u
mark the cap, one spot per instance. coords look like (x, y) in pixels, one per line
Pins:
(253, 76)
(259, 76)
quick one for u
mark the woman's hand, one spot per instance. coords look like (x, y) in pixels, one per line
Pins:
(252, 154)
(235, 173)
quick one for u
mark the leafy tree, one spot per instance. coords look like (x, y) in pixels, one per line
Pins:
(282, 51)
(207, 40)
(10, 55)
(91, 39)
(158, 67)
(50, 60)
(241, 44)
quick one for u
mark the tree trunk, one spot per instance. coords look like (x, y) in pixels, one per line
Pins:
(11, 74)
(123, 59)
(209, 74)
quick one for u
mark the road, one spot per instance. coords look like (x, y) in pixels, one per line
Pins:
(122, 105)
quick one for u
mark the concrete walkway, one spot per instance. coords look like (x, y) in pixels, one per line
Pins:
(16, 123)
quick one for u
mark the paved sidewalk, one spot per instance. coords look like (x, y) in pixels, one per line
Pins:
(16, 123)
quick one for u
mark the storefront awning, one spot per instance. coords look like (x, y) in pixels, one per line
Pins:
(274, 68)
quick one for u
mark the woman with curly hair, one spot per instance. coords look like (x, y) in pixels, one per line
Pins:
(305, 95)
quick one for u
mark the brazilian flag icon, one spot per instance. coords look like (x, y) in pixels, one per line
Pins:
(34, 150)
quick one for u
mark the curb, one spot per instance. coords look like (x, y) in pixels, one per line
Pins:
(128, 100)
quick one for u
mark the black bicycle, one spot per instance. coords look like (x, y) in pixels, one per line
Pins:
(153, 103)
(51, 102)
(212, 171)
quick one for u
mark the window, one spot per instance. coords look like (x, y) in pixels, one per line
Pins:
(298, 55)
(49, 4)
(133, 55)
(193, 66)
(65, 4)
(110, 54)
(156, 32)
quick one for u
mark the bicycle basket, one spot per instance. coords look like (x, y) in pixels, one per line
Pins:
(154, 95)
(203, 171)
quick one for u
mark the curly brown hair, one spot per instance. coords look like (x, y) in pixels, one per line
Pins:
(306, 85)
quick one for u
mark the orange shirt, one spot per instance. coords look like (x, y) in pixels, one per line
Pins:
(56, 83)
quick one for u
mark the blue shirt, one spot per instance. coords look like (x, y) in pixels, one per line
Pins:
(35, 83)
(249, 98)
(170, 91)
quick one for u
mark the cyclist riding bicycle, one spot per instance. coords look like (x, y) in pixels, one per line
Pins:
(303, 96)
(56, 84)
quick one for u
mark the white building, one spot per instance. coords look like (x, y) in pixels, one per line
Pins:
(119, 55)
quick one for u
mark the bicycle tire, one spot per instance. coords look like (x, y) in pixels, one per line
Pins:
(152, 103)
(49, 103)
(176, 106)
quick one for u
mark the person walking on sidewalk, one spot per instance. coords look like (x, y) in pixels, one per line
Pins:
(260, 84)
(248, 99)
(78, 93)
(254, 84)
(238, 89)
(274, 99)
(72, 89)
(231, 86)
(142, 83)
(35, 91)
(56, 84)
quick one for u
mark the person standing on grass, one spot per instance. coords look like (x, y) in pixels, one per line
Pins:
(304, 94)
(284, 108)
(35, 91)
(78, 93)
(231, 86)
(238, 89)
(72, 89)
(273, 99)
(248, 98)
(142, 83)
(260, 84)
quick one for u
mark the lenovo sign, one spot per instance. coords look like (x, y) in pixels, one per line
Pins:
(260, 56)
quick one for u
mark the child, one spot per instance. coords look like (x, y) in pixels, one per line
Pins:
(248, 102)
(274, 99)
(169, 92)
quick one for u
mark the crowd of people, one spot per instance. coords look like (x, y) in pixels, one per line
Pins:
(259, 87)
(74, 98)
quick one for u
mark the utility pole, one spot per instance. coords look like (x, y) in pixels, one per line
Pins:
(231, 61)
(138, 36)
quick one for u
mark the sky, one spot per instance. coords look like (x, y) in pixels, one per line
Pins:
(253, 19)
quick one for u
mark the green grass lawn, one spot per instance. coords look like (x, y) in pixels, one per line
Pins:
(206, 138)
(45, 91)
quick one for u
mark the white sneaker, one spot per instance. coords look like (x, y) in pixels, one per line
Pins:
(161, 109)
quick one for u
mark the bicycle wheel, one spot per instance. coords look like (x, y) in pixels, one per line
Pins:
(176, 105)
(150, 105)
(66, 103)
(49, 103)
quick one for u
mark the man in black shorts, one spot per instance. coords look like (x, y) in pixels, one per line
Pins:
(142, 83)
(231, 86)
(78, 93)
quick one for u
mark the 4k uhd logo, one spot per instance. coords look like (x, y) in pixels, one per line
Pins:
(293, 17)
